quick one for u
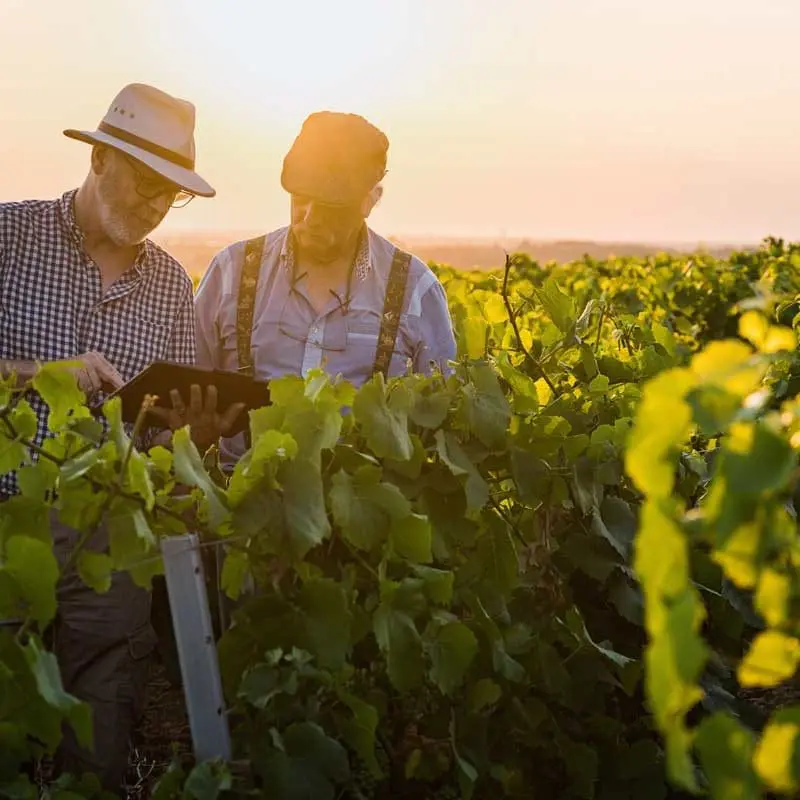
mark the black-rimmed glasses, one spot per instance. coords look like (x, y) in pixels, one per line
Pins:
(151, 188)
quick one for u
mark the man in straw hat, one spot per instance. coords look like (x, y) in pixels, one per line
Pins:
(80, 281)
(326, 291)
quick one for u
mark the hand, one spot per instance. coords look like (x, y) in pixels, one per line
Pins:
(206, 425)
(96, 373)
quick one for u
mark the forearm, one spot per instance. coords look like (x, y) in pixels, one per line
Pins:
(23, 370)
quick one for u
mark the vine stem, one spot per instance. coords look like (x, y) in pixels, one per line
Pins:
(512, 318)
(599, 327)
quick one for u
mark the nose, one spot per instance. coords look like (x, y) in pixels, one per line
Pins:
(313, 215)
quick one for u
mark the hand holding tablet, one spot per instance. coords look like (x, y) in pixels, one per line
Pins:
(213, 402)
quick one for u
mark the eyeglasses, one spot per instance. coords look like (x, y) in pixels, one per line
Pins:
(150, 188)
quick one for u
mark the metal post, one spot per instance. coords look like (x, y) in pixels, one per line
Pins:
(197, 652)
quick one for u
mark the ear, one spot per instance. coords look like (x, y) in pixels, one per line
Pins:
(371, 200)
(101, 159)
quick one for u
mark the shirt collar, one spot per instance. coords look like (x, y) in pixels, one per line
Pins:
(66, 205)
(361, 265)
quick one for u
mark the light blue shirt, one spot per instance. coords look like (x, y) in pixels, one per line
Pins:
(289, 337)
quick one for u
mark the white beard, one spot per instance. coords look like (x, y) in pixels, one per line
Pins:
(124, 233)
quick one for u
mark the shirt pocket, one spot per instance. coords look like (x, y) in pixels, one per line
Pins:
(128, 340)
(362, 344)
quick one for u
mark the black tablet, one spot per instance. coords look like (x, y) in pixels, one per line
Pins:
(163, 376)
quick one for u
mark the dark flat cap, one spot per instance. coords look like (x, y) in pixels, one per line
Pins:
(336, 158)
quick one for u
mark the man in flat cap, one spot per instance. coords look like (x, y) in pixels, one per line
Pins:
(81, 282)
(326, 291)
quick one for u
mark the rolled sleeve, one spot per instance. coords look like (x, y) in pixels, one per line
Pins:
(437, 344)
(207, 304)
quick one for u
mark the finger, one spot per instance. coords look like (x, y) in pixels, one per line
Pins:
(211, 400)
(230, 416)
(196, 400)
(106, 373)
(92, 378)
(177, 402)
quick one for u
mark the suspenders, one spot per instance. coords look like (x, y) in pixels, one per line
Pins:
(392, 306)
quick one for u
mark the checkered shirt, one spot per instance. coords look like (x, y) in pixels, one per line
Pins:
(52, 304)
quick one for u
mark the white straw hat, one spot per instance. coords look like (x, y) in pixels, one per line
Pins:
(156, 129)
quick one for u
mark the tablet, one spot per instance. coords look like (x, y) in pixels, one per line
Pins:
(163, 376)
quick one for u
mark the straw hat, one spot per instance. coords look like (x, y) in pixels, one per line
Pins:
(156, 129)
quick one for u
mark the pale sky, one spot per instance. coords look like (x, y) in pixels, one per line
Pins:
(667, 120)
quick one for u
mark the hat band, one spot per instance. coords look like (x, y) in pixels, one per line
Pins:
(144, 144)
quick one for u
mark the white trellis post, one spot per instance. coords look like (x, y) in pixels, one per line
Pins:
(197, 651)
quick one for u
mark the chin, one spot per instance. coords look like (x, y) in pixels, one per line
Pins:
(126, 235)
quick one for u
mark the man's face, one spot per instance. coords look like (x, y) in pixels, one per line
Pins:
(133, 198)
(323, 232)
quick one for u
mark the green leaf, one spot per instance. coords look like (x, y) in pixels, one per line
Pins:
(777, 756)
(34, 568)
(269, 450)
(482, 694)
(772, 658)
(438, 584)
(95, 570)
(452, 652)
(483, 408)
(411, 538)
(44, 668)
(498, 556)
(189, 469)
(384, 419)
(676, 654)
(207, 781)
(458, 462)
(472, 333)
(12, 454)
(756, 459)
(304, 505)
(58, 387)
(400, 642)
(235, 570)
(773, 596)
(359, 732)
(327, 621)
(726, 753)
(663, 421)
(137, 479)
(305, 764)
(524, 397)
(430, 410)
(616, 523)
(363, 507)
(558, 306)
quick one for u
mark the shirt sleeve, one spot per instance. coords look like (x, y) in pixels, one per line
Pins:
(437, 344)
(207, 304)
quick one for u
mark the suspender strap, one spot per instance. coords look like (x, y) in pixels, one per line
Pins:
(392, 306)
(248, 283)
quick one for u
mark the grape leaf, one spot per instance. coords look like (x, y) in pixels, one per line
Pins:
(452, 651)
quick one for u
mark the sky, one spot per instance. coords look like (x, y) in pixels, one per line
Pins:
(640, 120)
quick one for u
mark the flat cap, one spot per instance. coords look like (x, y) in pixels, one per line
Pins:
(336, 158)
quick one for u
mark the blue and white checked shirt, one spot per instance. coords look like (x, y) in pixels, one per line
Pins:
(290, 338)
(52, 304)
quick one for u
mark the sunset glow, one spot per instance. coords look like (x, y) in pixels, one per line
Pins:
(621, 119)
